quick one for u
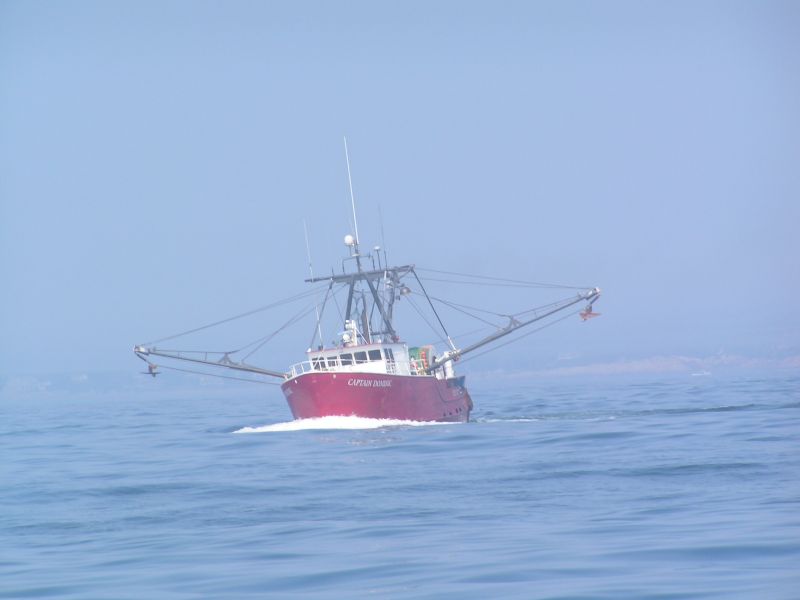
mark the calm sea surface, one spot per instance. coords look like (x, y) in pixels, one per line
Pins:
(682, 488)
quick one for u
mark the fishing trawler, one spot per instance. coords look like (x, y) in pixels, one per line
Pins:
(369, 370)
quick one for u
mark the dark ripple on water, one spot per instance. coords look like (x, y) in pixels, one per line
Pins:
(666, 490)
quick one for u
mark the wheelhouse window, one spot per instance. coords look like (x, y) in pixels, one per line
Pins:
(331, 362)
(361, 357)
(347, 359)
(389, 354)
(374, 354)
(318, 363)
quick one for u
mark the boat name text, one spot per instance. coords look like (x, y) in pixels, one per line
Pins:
(375, 383)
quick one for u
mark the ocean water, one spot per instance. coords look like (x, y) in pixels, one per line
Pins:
(686, 487)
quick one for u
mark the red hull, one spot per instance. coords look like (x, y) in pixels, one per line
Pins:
(378, 396)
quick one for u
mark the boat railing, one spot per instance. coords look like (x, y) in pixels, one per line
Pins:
(320, 365)
(300, 368)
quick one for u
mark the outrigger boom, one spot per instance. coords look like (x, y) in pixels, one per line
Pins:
(513, 325)
(142, 352)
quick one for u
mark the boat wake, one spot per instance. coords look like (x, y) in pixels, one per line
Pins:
(336, 423)
(508, 420)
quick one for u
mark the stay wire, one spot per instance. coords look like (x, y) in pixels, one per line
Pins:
(454, 305)
(516, 339)
(462, 336)
(457, 307)
(433, 308)
(543, 307)
(424, 318)
(503, 279)
(240, 316)
(214, 375)
(336, 302)
(508, 285)
(320, 314)
(306, 310)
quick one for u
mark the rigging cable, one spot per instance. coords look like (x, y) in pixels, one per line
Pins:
(433, 308)
(219, 376)
(336, 302)
(306, 310)
(320, 313)
(424, 318)
(455, 306)
(260, 341)
(503, 279)
(240, 316)
(516, 339)
(538, 308)
(462, 336)
(508, 285)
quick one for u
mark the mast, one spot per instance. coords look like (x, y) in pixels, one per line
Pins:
(369, 277)
(352, 197)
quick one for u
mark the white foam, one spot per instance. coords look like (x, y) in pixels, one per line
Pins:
(519, 420)
(336, 423)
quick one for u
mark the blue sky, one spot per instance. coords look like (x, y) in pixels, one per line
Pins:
(157, 161)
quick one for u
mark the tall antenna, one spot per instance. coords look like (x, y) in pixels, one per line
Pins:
(383, 237)
(311, 271)
(352, 198)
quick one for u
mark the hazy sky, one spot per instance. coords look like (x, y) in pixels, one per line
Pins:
(157, 160)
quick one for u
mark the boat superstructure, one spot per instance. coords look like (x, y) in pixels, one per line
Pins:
(369, 371)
